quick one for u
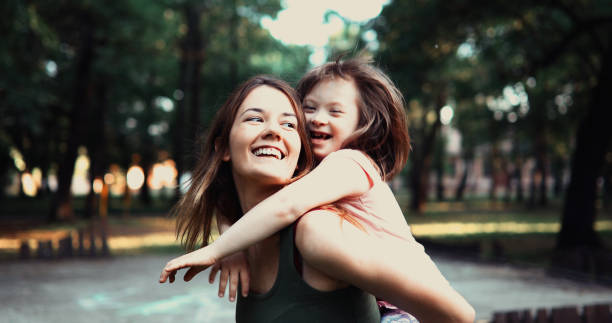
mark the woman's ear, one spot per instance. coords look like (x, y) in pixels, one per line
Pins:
(226, 155)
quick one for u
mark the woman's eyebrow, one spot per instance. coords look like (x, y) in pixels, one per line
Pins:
(258, 110)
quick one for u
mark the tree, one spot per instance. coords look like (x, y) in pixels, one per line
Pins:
(551, 41)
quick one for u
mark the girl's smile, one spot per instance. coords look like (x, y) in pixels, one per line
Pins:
(332, 114)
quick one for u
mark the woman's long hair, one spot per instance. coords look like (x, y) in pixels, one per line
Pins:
(382, 130)
(212, 189)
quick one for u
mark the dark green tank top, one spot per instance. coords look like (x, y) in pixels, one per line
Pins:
(291, 299)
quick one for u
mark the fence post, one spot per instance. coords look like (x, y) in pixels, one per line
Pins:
(541, 316)
(81, 237)
(65, 247)
(527, 318)
(24, 250)
(565, 315)
(597, 313)
(45, 249)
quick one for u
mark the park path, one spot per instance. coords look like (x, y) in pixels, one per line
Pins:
(125, 289)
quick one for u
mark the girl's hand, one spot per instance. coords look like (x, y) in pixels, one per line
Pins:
(233, 268)
(198, 260)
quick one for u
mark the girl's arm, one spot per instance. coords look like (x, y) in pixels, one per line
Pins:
(405, 276)
(338, 175)
(334, 178)
(233, 268)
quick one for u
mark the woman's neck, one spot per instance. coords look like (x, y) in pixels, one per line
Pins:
(250, 194)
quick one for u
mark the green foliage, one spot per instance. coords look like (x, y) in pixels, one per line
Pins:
(474, 50)
(134, 74)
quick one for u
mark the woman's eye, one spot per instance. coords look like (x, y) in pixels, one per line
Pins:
(257, 119)
(289, 125)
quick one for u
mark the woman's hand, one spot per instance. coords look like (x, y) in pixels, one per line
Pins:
(233, 268)
(197, 261)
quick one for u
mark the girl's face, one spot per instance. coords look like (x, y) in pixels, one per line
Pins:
(264, 145)
(332, 114)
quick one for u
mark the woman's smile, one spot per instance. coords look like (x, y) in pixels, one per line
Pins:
(264, 142)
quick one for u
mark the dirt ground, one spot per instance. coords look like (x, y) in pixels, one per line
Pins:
(125, 289)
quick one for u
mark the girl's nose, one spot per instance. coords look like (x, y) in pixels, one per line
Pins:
(319, 118)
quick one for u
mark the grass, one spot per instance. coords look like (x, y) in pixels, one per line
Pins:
(529, 247)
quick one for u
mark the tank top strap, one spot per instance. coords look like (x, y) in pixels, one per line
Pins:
(286, 264)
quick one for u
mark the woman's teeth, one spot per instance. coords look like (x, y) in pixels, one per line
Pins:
(268, 152)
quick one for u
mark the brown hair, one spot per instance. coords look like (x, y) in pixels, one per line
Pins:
(382, 131)
(212, 187)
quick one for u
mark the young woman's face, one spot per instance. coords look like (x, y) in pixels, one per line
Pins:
(264, 144)
(332, 114)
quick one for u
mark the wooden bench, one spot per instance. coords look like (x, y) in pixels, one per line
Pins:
(597, 313)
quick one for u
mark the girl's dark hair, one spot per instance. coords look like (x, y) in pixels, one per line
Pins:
(382, 131)
(212, 189)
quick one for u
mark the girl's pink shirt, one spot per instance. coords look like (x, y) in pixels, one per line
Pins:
(377, 209)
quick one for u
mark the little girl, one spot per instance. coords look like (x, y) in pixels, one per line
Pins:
(358, 131)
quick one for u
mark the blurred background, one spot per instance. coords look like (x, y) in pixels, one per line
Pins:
(102, 104)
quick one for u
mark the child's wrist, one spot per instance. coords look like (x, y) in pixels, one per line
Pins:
(213, 253)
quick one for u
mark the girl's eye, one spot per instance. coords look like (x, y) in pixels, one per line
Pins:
(308, 109)
(336, 111)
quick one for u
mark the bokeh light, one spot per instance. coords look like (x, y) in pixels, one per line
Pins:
(97, 185)
(135, 177)
(446, 114)
(28, 184)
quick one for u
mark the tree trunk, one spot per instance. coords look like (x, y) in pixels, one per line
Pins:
(557, 173)
(197, 49)
(147, 152)
(149, 149)
(233, 68)
(495, 170)
(440, 170)
(96, 147)
(542, 164)
(463, 181)
(508, 171)
(61, 204)
(419, 174)
(179, 121)
(592, 141)
(607, 188)
(518, 174)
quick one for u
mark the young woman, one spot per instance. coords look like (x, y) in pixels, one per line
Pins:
(353, 105)
(257, 145)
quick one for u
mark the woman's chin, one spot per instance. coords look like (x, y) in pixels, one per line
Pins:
(271, 178)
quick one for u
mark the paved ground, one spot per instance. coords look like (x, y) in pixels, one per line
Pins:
(125, 289)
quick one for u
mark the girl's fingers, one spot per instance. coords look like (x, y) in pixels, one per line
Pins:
(165, 275)
(245, 278)
(213, 274)
(223, 281)
(233, 285)
(192, 272)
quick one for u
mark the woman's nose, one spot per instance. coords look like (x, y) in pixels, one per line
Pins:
(272, 131)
